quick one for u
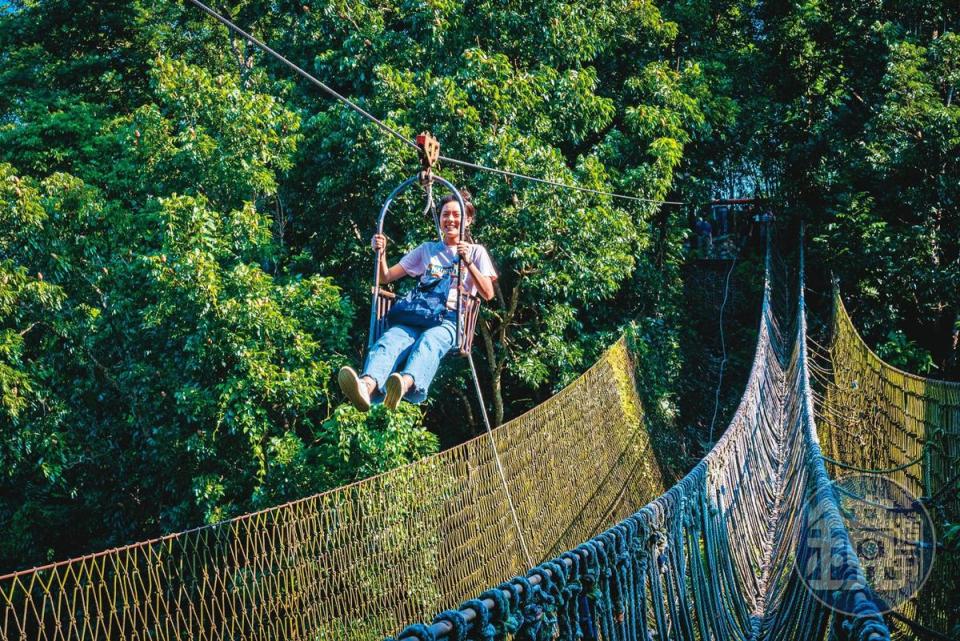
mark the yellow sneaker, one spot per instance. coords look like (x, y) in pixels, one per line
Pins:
(396, 388)
(353, 388)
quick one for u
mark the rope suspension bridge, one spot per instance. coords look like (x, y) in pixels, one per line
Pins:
(879, 420)
(739, 549)
(360, 561)
(719, 555)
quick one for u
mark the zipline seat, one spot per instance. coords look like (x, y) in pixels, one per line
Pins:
(385, 299)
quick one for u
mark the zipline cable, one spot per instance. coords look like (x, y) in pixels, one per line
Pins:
(553, 183)
(333, 93)
(330, 91)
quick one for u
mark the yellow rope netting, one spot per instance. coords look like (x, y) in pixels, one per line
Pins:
(877, 417)
(357, 562)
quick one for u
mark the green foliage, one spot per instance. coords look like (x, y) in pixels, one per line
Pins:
(951, 537)
(901, 352)
(183, 237)
(346, 447)
(356, 445)
(657, 352)
(866, 134)
(158, 369)
(161, 378)
(844, 114)
(204, 130)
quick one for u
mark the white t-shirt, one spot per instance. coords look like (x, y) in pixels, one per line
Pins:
(432, 260)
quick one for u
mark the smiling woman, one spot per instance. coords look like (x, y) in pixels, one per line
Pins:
(423, 325)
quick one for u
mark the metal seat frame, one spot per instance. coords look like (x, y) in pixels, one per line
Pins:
(468, 307)
(384, 300)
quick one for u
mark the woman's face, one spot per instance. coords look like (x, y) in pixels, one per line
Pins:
(450, 221)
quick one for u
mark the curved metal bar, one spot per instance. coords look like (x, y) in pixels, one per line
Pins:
(393, 195)
(376, 268)
(376, 263)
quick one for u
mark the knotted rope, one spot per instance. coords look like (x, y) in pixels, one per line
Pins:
(711, 558)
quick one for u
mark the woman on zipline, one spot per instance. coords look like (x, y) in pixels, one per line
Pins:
(403, 362)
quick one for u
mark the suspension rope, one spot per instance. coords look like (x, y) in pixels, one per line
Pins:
(496, 458)
(333, 93)
(919, 629)
(820, 345)
(723, 344)
(872, 470)
(839, 489)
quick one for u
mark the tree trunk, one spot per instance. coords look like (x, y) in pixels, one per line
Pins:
(945, 345)
(496, 369)
(468, 412)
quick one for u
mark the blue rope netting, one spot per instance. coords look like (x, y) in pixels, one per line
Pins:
(719, 555)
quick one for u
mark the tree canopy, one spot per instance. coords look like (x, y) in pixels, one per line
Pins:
(184, 224)
(185, 236)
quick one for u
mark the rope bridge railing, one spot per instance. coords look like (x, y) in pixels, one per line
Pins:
(724, 554)
(883, 418)
(357, 562)
(877, 419)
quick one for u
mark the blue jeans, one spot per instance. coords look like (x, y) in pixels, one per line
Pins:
(422, 350)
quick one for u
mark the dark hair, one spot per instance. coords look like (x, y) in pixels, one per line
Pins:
(467, 201)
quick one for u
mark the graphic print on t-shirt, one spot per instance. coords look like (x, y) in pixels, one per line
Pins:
(435, 271)
(432, 261)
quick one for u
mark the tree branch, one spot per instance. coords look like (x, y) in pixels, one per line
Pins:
(29, 327)
(468, 411)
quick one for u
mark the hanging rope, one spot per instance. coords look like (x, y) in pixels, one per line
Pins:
(876, 470)
(496, 458)
(723, 343)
